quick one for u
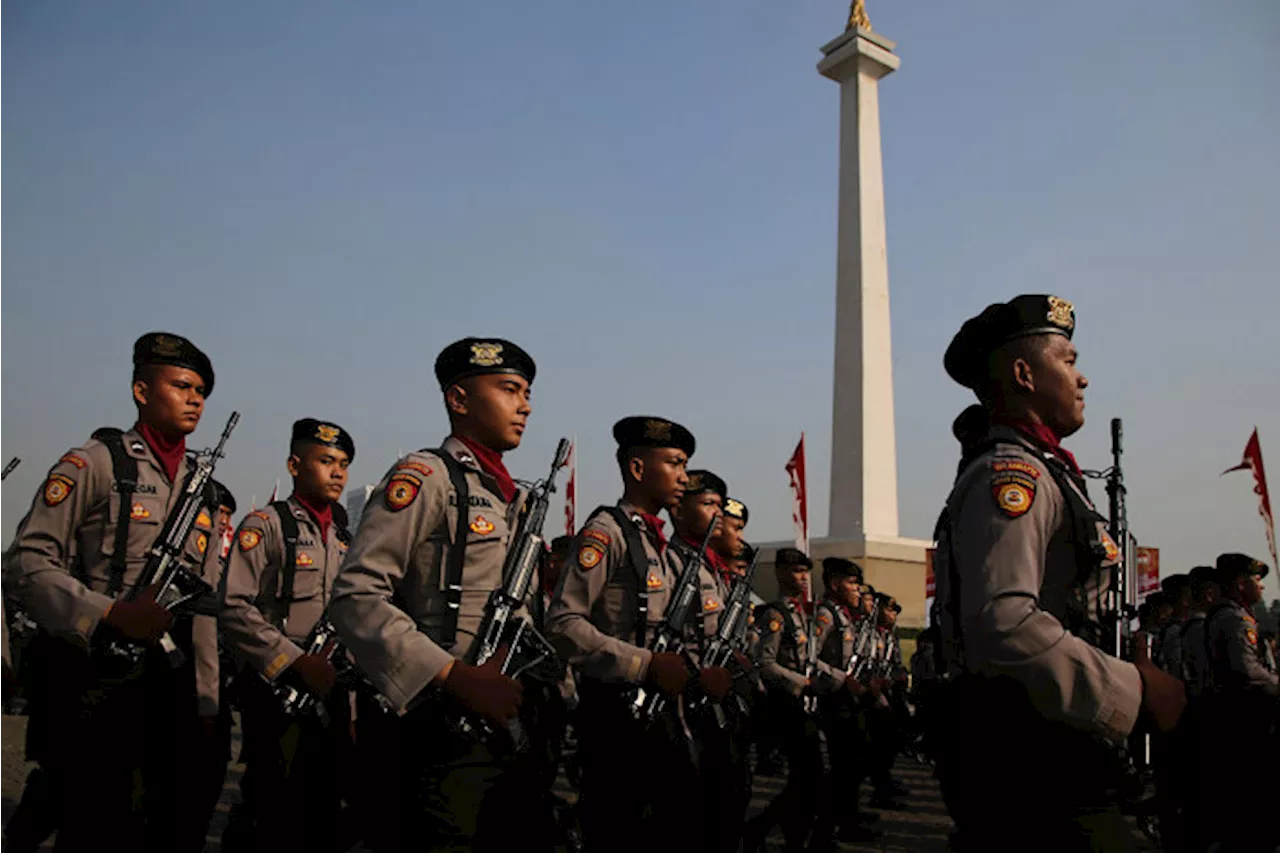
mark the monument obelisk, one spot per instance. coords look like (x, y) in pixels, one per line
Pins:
(863, 520)
(864, 466)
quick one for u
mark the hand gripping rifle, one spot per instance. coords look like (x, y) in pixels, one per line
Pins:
(167, 567)
(721, 647)
(322, 641)
(528, 652)
(669, 635)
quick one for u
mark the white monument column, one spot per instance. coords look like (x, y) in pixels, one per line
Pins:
(864, 465)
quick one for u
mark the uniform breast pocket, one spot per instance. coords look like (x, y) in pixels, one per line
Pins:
(146, 516)
(308, 576)
(485, 526)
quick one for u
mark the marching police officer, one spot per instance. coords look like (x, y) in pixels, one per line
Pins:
(638, 785)
(409, 600)
(275, 589)
(1024, 559)
(96, 729)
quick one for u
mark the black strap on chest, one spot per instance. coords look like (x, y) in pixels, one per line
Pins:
(456, 560)
(289, 533)
(639, 560)
(125, 470)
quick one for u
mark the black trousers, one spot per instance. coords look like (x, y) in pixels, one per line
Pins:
(725, 772)
(844, 725)
(118, 748)
(428, 787)
(640, 785)
(1014, 781)
(796, 807)
(294, 771)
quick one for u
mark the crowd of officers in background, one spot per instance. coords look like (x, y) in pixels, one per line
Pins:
(391, 735)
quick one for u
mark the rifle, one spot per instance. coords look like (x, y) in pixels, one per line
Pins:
(863, 646)
(669, 635)
(8, 469)
(502, 624)
(322, 641)
(167, 564)
(721, 647)
(1118, 593)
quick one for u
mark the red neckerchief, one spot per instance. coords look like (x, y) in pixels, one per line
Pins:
(1043, 436)
(655, 525)
(490, 462)
(322, 517)
(167, 450)
(713, 558)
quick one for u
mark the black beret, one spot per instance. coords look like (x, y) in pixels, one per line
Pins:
(642, 431)
(1157, 599)
(312, 431)
(164, 348)
(967, 356)
(477, 356)
(892, 604)
(224, 496)
(735, 508)
(839, 567)
(1231, 566)
(1202, 576)
(792, 557)
(705, 481)
(1174, 583)
(870, 590)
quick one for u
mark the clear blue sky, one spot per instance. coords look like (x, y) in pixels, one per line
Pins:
(323, 194)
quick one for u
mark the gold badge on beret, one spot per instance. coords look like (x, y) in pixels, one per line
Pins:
(486, 355)
(733, 507)
(327, 433)
(1061, 313)
(57, 489)
(166, 346)
(695, 482)
(657, 430)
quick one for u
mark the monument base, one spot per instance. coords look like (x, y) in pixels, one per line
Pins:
(893, 565)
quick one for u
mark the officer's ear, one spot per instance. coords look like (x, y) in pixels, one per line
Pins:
(141, 385)
(635, 467)
(455, 399)
(294, 464)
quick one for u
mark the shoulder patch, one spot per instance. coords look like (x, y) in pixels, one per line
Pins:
(57, 489)
(414, 465)
(78, 461)
(1252, 636)
(775, 623)
(590, 555)
(823, 617)
(203, 519)
(249, 538)
(593, 535)
(1012, 487)
(401, 490)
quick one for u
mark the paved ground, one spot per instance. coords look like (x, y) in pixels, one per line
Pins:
(921, 827)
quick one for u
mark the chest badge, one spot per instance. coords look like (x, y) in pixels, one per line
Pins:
(481, 526)
(202, 542)
(138, 512)
(775, 625)
(653, 581)
(304, 560)
(710, 605)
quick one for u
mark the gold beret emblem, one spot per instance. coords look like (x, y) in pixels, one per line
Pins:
(166, 346)
(1061, 313)
(657, 430)
(734, 508)
(327, 433)
(486, 355)
(695, 482)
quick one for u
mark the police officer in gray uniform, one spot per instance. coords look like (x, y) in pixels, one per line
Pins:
(1023, 562)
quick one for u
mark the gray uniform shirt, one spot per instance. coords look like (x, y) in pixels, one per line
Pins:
(1016, 562)
(592, 617)
(253, 617)
(1234, 654)
(389, 598)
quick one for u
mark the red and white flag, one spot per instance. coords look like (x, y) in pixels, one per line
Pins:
(799, 496)
(274, 492)
(1253, 462)
(571, 492)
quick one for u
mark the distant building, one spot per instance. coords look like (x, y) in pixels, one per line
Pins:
(356, 499)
